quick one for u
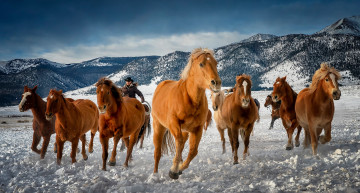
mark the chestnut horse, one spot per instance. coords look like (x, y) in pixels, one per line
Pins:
(73, 120)
(217, 100)
(275, 109)
(240, 112)
(208, 120)
(120, 117)
(41, 126)
(181, 107)
(315, 106)
(284, 93)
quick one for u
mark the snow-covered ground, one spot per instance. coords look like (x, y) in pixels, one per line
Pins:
(269, 168)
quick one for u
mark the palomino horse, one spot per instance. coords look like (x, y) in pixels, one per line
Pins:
(315, 106)
(181, 107)
(120, 117)
(41, 126)
(217, 100)
(73, 120)
(240, 112)
(275, 109)
(284, 93)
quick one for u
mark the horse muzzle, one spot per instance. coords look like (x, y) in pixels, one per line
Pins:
(21, 109)
(336, 94)
(215, 86)
(215, 108)
(102, 109)
(49, 116)
(245, 103)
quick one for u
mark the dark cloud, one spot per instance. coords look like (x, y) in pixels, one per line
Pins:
(29, 28)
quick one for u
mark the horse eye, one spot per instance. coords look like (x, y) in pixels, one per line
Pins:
(326, 80)
(201, 65)
(108, 92)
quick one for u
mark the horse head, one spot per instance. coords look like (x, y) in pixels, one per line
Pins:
(53, 103)
(28, 99)
(242, 90)
(203, 66)
(107, 94)
(279, 89)
(217, 99)
(268, 101)
(327, 78)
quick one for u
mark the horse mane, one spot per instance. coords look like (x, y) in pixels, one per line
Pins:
(194, 54)
(245, 76)
(320, 74)
(115, 91)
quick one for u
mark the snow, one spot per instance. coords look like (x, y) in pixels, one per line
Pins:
(269, 168)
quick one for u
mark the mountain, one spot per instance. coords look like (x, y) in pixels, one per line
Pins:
(350, 25)
(263, 56)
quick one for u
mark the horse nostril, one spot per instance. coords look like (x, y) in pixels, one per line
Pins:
(104, 106)
(213, 82)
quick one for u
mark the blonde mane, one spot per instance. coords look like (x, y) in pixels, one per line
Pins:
(194, 54)
(321, 73)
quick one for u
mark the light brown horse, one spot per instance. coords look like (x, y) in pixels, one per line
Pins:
(120, 117)
(275, 109)
(240, 112)
(181, 107)
(73, 120)
(315, 106)
(42, 127)
(284, 93)
(208, 120)
(217, 100)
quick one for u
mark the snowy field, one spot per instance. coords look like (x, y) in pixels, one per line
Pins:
(269, 168)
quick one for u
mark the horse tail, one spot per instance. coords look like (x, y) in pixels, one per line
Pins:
(142, 132)
(148, 127)
(168, 143)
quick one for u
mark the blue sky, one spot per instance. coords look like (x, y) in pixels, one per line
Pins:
(74, 31)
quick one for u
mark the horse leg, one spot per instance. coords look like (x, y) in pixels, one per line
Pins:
(91, 144)
(83, 151)
(132, 142)
(297, 142)
(306, 138)
(104, 140)
(112, 160)
(314, 139)
(327, 137)
(74, 148)
(221, 131)
(290, 132)
(158, 136)
(235, 141)
(44, 146)
(126, 143)
(60, 147)
(247, 140)
(35, 143)
(272, 123)
(194, 141)
(179, 144)
(231, 140)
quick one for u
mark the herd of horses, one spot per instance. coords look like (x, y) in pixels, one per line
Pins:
(180, 113)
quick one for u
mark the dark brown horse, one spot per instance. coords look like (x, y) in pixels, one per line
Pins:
(181, 107)
(284, 93)
(120, 117)
(315, 106)
(240, 112)
(275, 109)
(42, 127)
(73, 120)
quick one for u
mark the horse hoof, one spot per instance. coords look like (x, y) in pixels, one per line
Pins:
(180, 172)
(112, 163)
(236, 162)
(173, 175)
(288, 148)
(86, 158)
(104, 169)
(91, 151)
(297, 144)
(55, 151)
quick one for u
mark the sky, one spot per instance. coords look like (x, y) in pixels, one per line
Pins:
(75, 31)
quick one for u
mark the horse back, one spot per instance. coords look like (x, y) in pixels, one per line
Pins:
(88, 112)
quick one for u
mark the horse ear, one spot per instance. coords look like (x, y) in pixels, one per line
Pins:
(34, 89)
(284, 78)
(278, 79)
(60, 91)
(26, 88)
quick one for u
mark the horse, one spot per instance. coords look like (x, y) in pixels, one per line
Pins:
(120, 117)
(208, 120)
(240, 112)
(73, 120)
(147, 125)
(275, 109)
(315, 106)
(284, 93)
(180, 107)
(217, 100)
(42, 127)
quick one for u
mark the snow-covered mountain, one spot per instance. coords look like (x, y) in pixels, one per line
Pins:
(350, 25)
(263, 56)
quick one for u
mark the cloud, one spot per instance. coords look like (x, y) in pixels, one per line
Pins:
(143, 45)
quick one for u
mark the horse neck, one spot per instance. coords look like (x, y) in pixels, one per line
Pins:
(39, 109)
(195, 92)
(65, 111)
(114, 108)
(320, 95)
(289, 98)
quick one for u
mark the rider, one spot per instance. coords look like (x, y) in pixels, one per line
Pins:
(130, 89)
